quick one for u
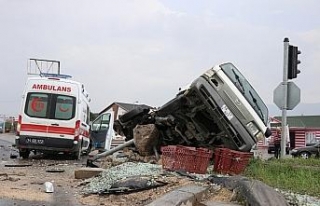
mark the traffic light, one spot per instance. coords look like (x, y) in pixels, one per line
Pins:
(293, 62)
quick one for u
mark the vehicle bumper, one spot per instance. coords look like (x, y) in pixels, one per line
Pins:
(46, 144)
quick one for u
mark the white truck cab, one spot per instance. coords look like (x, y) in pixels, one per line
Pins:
(54, 116)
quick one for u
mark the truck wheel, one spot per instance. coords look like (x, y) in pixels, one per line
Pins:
(171, 106)
(132, 114)
(24, 154)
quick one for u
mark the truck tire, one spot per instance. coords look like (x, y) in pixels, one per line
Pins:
(24, 154)
(171, 106)
(132, 114)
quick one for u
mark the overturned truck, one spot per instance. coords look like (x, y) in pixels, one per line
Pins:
(220, 108)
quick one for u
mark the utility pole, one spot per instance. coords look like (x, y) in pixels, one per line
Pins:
(285, 97)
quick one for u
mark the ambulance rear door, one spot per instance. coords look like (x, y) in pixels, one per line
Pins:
(50, 110)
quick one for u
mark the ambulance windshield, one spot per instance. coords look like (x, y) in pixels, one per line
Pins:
(50, 106)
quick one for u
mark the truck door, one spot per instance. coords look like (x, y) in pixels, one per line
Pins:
(102, 131)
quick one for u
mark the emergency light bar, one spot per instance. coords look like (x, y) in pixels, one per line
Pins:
(64, 76)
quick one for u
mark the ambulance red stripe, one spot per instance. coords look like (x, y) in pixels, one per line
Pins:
(47, 129)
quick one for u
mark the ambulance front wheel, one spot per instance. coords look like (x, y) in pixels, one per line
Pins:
(24, 153)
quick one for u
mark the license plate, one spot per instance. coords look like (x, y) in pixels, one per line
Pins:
(227, 112)
(34, 141)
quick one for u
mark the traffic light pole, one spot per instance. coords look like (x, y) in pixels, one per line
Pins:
(285, 97)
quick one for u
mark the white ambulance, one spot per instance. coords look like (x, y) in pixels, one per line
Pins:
(54, 116)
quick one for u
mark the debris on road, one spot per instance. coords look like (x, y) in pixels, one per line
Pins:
(48, 187)
(13, 155)
(8, 178)
(146, 137)
(109, 177)
(18, 165)
(85, 173)
(4, 174)
(134, 184)
(55, 170)
(91, 159)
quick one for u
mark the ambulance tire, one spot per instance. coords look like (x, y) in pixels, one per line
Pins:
(89, 149)
(24, 154)
(77, 154)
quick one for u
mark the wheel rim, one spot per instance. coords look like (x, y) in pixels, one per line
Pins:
(305, 155)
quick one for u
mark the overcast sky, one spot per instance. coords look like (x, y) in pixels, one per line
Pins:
(144, 50)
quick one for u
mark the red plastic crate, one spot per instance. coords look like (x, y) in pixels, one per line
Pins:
(240, 161)
(202, 159)
(229, 161)
(223, 160)
(175, 157)
(190, 159)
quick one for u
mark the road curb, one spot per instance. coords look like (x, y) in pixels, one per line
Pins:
(186, 195)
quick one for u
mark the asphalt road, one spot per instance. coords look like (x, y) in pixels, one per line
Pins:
(6, 149)
(10, 156)
(6, 141)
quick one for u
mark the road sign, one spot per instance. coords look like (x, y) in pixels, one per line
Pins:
(293, 98)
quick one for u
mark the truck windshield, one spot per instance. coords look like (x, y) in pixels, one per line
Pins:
(50, 106)
(247, 90)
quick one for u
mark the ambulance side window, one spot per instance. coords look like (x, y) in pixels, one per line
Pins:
(37, 105)
(64, 107)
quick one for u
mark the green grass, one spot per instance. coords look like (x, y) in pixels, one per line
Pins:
(296, 175)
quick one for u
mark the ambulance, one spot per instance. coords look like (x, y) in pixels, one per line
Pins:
(54, 117)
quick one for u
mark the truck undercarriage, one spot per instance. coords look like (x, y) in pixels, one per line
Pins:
(185, 120)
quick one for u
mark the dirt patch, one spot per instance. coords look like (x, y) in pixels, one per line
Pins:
(137, 198)
(27, 183)
(222, 195)
(28, 194)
